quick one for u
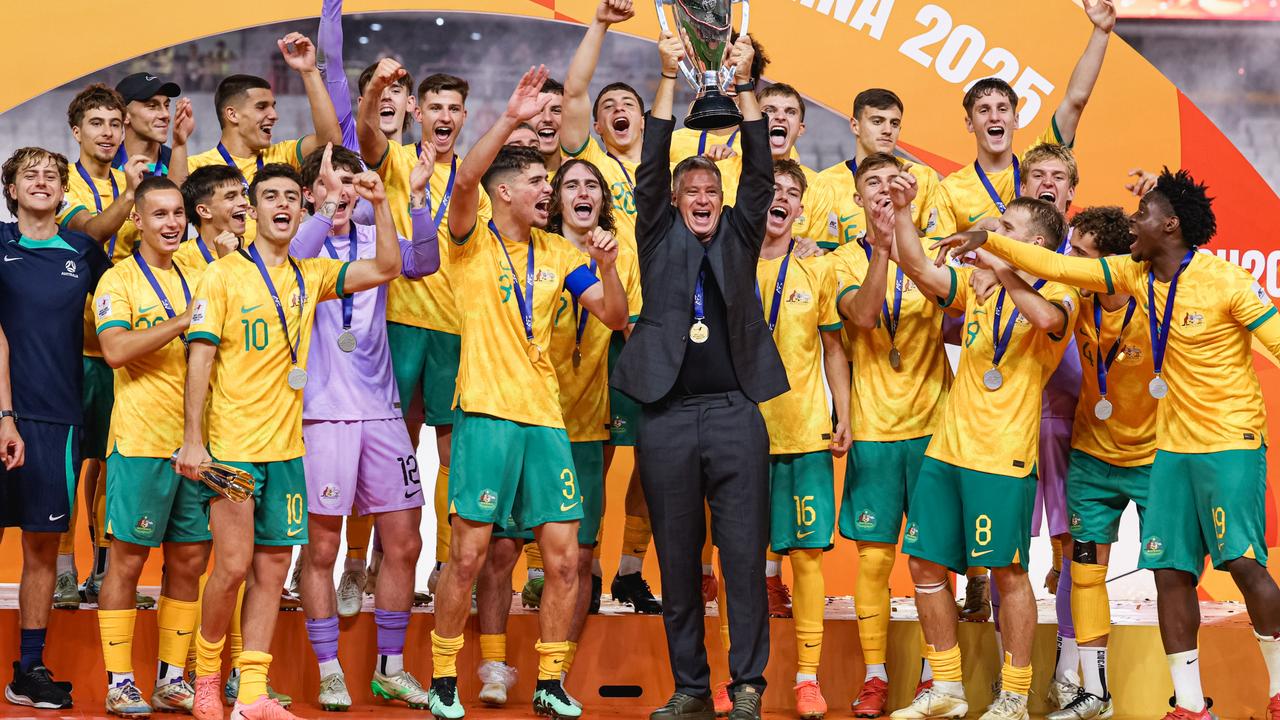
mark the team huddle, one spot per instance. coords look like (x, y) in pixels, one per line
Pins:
(296, 310)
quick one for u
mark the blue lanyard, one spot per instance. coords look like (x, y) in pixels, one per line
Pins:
(275, 298)
(1001, 337)
(1160, 330)
(777, 287)
(702, 141)
(226, 157)
(204, 249)
(630, 183)
(852, 164)
(1104, 364)
(526, 309)
(97, 199)
(995, 196)
(448, 188)
(699, 299)
(579, 315)
(349, 300)
(891, 320)
(164, 299)
(1066, 242)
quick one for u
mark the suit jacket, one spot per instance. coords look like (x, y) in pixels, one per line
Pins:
(670, 256)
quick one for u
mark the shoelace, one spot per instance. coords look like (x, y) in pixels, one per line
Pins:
(1007, 703)
(409, 680)
(748, 701)
(676, 701)
(1082, 697)
(556, 690)
(131, 693)
(445, 690)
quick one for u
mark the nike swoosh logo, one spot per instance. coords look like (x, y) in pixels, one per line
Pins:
(977, 554)
(846, 218)
(974, 218)
(11, 259)
(812, 645)
(567, 508)
(147, 309)
(113, 643)
(56, 518)
(415, 492)
(183, 634)
(292, 533)
(868, 617)
(803, 535)
(244, 309)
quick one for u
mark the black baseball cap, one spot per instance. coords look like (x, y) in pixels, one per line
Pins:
(144, 86)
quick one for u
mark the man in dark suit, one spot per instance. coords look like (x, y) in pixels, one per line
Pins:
(699, 360)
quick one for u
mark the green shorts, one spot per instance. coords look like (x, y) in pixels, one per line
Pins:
(504, 472)
(280, 501)
(960, 518)
(1097, 494)
(149, 504)
(1205, 504)
(878, 480)
(802, 501)
(624, 413)
(588, 464)
(427, 359)
(96, 398)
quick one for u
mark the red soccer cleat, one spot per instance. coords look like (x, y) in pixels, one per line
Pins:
(779, 597)
(810, 704)
(871, 699)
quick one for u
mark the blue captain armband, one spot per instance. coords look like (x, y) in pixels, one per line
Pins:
(579, 280)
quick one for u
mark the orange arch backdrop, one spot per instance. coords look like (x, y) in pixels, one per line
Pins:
(828, 49)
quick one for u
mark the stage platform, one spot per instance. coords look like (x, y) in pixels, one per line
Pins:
(621, 666)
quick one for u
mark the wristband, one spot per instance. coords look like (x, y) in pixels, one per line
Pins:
(745, 87)
(670, 77)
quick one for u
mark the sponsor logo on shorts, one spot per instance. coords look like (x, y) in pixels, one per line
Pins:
(330, 494)
(104, 307)
(1153, 547)
(488, 499)
(866, 520)
(145, 527)
(913, 533)
(1076, 521)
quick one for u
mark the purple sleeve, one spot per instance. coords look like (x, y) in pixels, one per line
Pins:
(362, 213)
(329, 44)
(421, 257)
(310, 237)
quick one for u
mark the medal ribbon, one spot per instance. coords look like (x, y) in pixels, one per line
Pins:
(1160, 330)
(702, 141)
(97, 199)
(699, 301)
(448, 189)
(204, 249)
(526, 309)
(1001, 337)
(581, 315)
(631, 185)
(995, 196)
(891, 320)
(348, 302)
(777, 287)
(1104, 364)
(226, 158)
(164, 299)
(275, 298)
(156, 168)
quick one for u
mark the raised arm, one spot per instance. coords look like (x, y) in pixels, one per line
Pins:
(1086, 273)
(385, 264)
(606, 299)
(309, 240)
(653, 178)
(421, 257)
(862, 305)
(1102, 13)
(108, 222)
(200, 356)
(526, 102)
(12, 448)
(934, 281)
(300, 54)
(1042, 314)
(755, 185)
(329, 60)
(184, 124)
(575, 126)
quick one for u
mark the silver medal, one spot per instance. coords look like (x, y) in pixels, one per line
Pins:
(895, 358)
(1102, 409)
(347, 341)
(1158, 387)
(297, 378)
(992, 379)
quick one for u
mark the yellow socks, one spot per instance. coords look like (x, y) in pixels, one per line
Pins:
(443, 531)
(191, 648)
(116, 629)
(235, 638)
(946, 664)
(208, 655)
(533, 555)
(1090, 606)
(1012, 679)
(569, 655)
(636, 535)
(551, 659)
(175, 621)
(871, 598)
(444, 655)
(493, 648)
(253, 675)
(359, 530)
(807, 605)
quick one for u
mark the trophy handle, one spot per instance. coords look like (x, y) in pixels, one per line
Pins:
(686, 69)
(727, 73)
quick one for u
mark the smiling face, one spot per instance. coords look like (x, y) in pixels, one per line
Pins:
(785, 123)
(699, 198)
(786, 207)
(992, 121)
(160, 217)
(619, 120)
(547, 126)
(100, 133)
(227, 209)
(877, 129)
(37, 187)
(873, 188)
(581, 198)
(442, 115)
(528, 194)
(1050, 180)
(252, 116)
(346, 198)
(395, 102)
(1151, 225)
(149, 119)
(278, 209)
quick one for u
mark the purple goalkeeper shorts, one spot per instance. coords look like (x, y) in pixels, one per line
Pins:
(367, 465)
(1051, 488)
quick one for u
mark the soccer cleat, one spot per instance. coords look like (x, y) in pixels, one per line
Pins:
(205, 704)
(177, 697)
(333, 693)
(531, 594)
(710, 588)
(720, 699)
(434, 578)
(89, 590)
(264, 708)
(1007, 706)
(871, 699)
(597, 587)
(922, 686)
(66, 596)
(36, 688)
(1181, 713)
(1084, 706)
(498, 679)
(294, 587)
(810, 704)
(232, 690)
(442, 699)
(126, 701)
(779, 597)
(1062, 692)
(977, 599)
(746, 705)
(143, 602)
(631, 589)
(402, 687)
(933, 703)
(350, 592)
(576, 703)
(421, 599)
(550, 700)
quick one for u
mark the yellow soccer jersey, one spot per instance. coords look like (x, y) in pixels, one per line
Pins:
(998, 431)
(496, 375)
(254, 416)
(426, 302)
(190, 255)
(846, 222)
(1215, 400)
(799, 420)
(584, 388)
(888, 404)
(146, 417)
(963, 200)
(1128, 437)
(81, 198)
(288, 152)
(621, 176)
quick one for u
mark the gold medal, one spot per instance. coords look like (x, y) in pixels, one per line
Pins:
(577, 358)
(699, 332)
(895, 358)
(535, 353)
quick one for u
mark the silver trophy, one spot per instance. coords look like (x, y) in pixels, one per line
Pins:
(230, 482)
(706, 26)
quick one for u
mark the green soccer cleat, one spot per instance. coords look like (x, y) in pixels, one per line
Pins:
(442, 699)
(531, 595)
(333, 693)
(550, 700)
(401, 687)
(66, 596)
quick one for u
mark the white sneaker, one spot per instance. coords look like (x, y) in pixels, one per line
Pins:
(1007, 706)
(333, 693)
(125, 701)
(498, 679)
(1085, 706)
(351, 592)
(173, 697)
(295, 580)
(933, 703)
(1061, 693)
